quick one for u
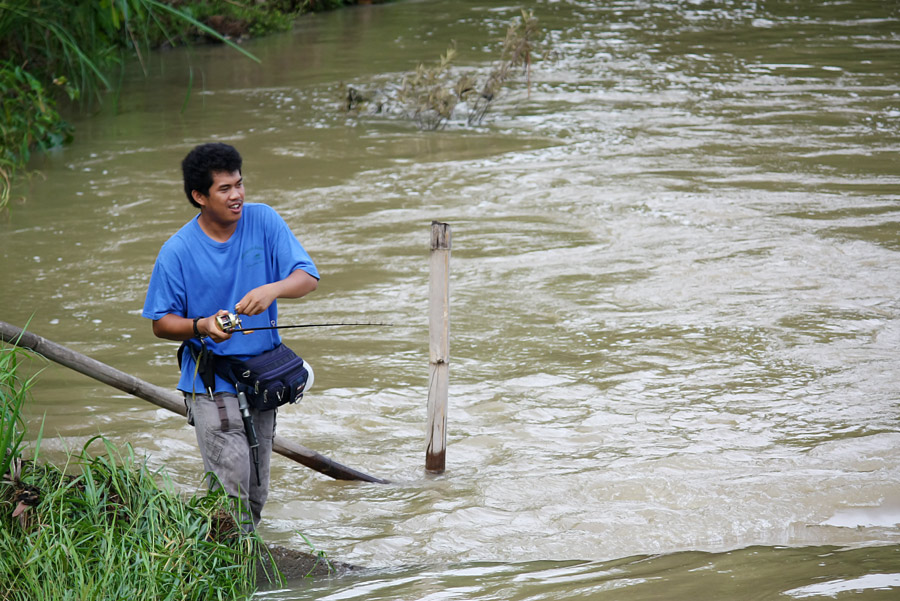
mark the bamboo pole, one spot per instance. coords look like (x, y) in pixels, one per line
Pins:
(164, 398)
(439, 345)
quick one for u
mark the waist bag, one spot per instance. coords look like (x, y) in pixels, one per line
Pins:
(270, 379)
(273, 378)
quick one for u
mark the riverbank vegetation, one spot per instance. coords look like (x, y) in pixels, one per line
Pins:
(65, 52)
(106, 526)
(432, 94)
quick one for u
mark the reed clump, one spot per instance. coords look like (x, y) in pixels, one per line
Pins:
(433, 94)
(103, 527)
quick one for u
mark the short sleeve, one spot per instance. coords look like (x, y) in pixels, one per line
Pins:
(165, 294)
(289, 255)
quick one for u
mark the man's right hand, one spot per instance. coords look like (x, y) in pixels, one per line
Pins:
(210, 327)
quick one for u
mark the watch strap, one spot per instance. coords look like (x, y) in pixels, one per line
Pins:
(197, 333)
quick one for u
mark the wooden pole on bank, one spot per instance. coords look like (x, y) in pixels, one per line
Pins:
(164, 398)
(439, 345)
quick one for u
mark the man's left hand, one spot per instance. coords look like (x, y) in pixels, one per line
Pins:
(257, 300)
(296, 285)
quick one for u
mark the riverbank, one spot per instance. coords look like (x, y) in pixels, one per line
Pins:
(105, 522)
(60, 52)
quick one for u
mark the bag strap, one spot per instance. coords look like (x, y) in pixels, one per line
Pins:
(208, 365)
(205, 360)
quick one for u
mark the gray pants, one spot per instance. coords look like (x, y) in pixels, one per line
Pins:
(226, 451)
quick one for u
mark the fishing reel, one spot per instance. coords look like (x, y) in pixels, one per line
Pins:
(229, 322)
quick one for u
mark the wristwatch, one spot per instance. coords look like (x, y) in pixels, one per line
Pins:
(196, 331)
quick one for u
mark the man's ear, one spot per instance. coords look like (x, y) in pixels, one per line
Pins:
(199, 198)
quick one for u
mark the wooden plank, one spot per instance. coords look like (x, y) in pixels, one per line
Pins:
(164, 398)
(439, 348)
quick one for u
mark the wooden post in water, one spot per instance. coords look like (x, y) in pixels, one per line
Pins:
(439, 345)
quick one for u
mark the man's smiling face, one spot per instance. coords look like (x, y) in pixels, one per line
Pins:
(225, 203)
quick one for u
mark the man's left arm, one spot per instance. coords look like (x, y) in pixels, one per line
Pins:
(297, 284)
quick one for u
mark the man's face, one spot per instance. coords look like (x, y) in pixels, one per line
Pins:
(225, 202)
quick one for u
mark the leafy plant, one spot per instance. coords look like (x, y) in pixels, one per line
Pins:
(234, 19)
(29, 121)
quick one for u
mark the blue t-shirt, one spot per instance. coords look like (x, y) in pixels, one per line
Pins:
(195, 276)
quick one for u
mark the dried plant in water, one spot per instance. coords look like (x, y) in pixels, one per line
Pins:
(431, 94)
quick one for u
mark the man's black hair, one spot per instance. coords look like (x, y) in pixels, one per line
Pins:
(202, 162)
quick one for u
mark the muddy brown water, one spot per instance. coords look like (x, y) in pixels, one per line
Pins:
(673, 295)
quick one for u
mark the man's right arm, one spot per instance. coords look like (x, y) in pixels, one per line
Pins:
(175, 327)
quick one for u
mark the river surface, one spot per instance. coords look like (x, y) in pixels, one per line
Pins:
(674, 294)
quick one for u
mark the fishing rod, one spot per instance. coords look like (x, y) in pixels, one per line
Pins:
(232, 323)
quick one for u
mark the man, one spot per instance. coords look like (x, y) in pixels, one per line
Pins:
(232, 255)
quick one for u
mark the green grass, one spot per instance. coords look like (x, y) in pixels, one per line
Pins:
(106, 526)
(13, 392)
